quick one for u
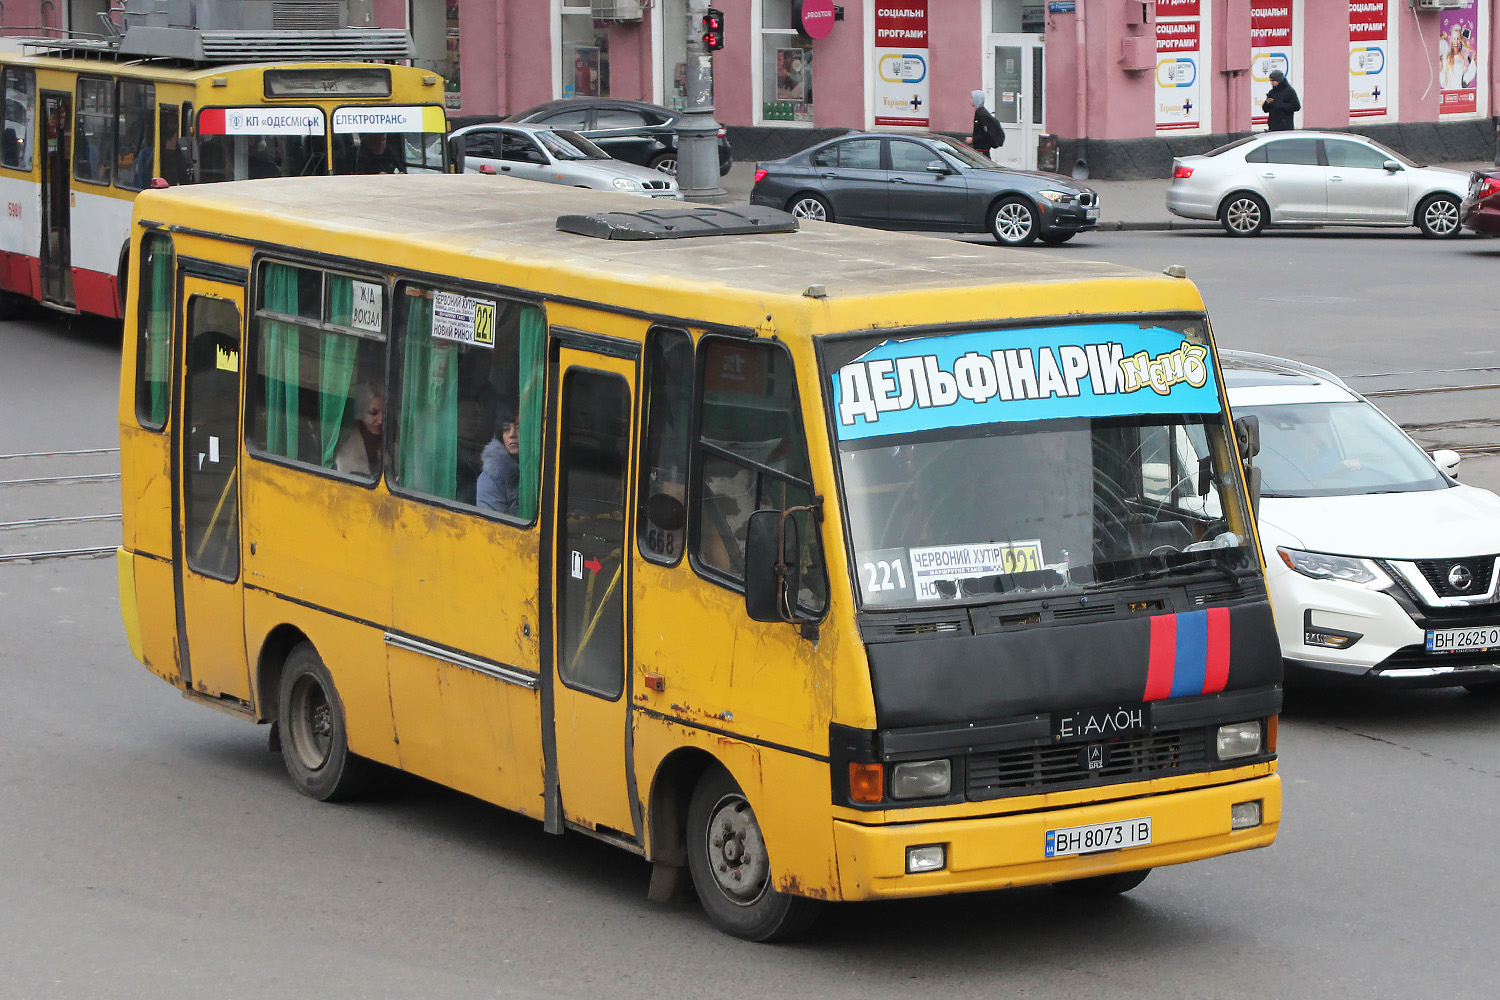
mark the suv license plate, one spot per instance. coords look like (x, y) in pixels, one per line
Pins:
(1091, 213)
(1463, 640)
(1099, 837)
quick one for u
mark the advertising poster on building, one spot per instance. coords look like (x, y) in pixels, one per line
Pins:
(1458, 60)
(901, 63)
(1270, 48)
(1368, 20)
(1178, 65)
(452, 81)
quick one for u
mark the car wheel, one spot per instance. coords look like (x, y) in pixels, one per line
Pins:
(1103, 885)
(731, 868)
(1013, 222)
(1438, 217)
(666, 163)
(1056, 239)
(810, 206)
(1243, 214)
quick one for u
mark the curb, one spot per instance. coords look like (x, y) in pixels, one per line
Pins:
(1155, 227)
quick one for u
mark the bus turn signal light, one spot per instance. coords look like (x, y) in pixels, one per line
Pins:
(866, 782)
(1271, 733)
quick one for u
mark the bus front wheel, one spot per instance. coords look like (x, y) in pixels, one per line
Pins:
(731, 868)
(1103, 885)
(314, 742)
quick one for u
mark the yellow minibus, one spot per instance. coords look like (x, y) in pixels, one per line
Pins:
(809, 563)
(86, 129)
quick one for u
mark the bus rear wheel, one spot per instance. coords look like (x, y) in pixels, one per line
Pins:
(1103, 885)
(314, 741)
(731, 868)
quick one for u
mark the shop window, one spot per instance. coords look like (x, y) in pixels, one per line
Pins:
(585, 51)
(751, 455)
(20, 118)
(467, 384)
(94, 130)
(318, 385)
(786, 66)
(135, 155)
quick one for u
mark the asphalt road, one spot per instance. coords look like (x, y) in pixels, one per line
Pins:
(153, 848)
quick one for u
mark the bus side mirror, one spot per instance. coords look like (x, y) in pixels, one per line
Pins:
(456, 155)
(1247, 439)
(772, 576)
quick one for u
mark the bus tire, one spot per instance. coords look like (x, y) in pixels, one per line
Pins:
(1103, 885)
(314, 741)
(731, 869)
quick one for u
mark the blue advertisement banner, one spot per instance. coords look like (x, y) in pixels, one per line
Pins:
(1041, 373)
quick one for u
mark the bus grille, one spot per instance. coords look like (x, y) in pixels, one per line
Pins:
(301, 15)
(1059, 766)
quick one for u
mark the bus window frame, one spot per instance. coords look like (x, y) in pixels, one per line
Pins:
(695, 474)
(443, 283)
(27, 149)
(152, 117)
(251, 354)
(647, 370)
(446, 166)
(113, 119)
(142, 309)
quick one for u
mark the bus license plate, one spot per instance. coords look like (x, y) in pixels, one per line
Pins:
(1463, 640)
(1099, 837)
(1091, 213)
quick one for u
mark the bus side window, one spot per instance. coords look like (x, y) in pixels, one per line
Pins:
(467, 384)
(172, 167)
(317, 391)
(20, 118)
(135, 135)
(94, 130)
(153, 368)
(752, 455)
(662, 523)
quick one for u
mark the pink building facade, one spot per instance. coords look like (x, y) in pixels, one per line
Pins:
(1120, 83)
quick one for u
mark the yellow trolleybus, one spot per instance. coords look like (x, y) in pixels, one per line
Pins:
(811, 564)
(86, 128)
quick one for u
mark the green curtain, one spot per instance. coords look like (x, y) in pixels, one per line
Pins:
(158, 327)
(336, 371)
(427, 451)
(533, 342)
(281, 344)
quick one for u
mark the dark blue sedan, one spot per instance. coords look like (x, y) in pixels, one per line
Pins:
(924, 182)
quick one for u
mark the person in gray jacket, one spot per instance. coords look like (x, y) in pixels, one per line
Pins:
(499, 486)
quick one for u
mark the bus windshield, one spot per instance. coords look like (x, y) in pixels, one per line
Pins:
(1023, 463)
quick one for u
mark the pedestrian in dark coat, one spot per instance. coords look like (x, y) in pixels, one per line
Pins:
(1280, 104)
(987, 133)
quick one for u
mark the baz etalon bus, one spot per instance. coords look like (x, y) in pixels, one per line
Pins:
(811, 564)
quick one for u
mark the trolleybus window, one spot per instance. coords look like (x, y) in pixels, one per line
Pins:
(135, 160)
(93, 130)
(318, 382)
(467, 398)
(154, 360)
(669, 413)
(20, 118)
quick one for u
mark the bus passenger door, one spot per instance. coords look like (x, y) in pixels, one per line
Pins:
(57, 199)
(590, 545)
(206, 518)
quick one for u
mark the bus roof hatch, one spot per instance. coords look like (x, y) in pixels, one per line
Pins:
(678, 223)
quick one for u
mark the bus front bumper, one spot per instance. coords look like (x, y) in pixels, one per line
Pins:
(997, 852)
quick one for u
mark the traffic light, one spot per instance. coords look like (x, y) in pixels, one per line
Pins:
(713, 29)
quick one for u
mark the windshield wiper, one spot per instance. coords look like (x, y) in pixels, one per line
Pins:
(1191, 565)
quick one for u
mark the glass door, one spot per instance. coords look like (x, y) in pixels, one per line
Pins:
(1016, 94)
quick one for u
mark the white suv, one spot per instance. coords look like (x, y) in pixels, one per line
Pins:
(1382, 567)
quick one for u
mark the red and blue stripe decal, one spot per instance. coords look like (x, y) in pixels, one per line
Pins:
(1189, 654)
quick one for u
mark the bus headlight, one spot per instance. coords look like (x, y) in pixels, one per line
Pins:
(921, 779)
(1239, 739)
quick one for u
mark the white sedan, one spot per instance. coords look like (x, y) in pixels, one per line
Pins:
(556, 156)
(1315, 178)
(1382, 567)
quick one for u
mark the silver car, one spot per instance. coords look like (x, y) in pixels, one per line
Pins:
(1319, 178)
(556, 156)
